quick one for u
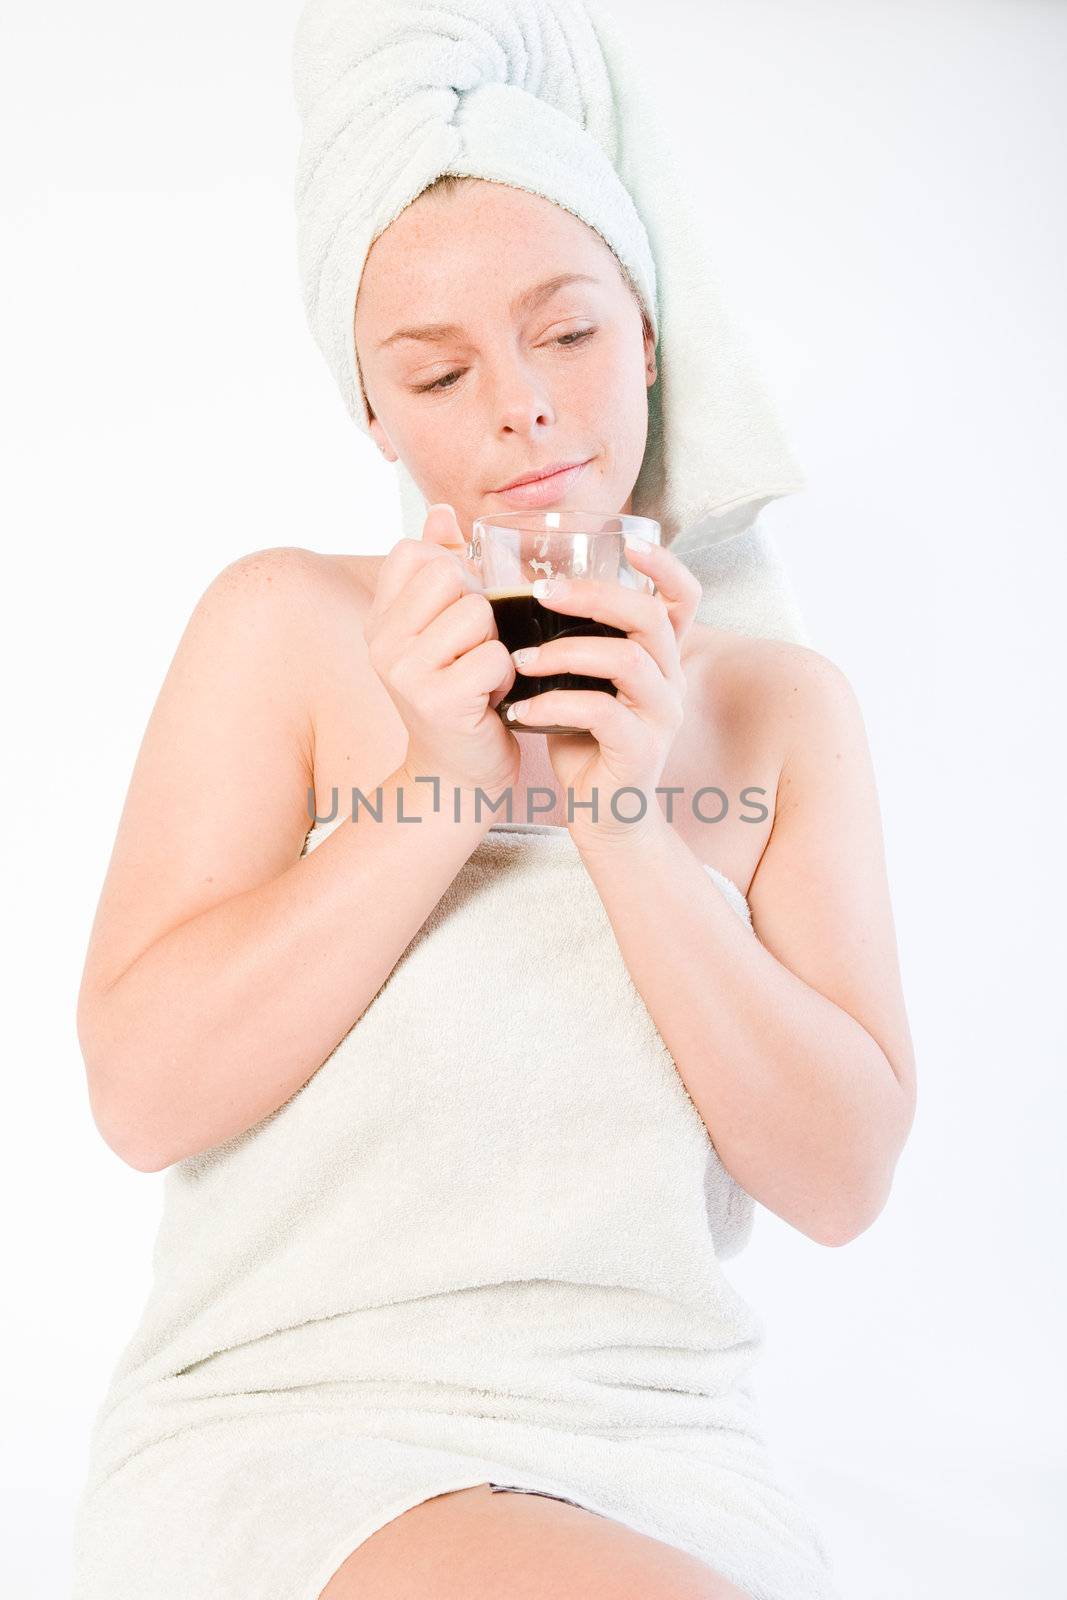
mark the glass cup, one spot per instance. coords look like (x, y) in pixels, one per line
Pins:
(509, 552)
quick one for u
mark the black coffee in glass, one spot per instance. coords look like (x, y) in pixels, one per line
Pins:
(522, 621)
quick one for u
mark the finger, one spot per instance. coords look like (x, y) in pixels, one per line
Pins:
(678, 588)
(619, 731)
(403, 560)
(624, 662)
(442, 527)
(483, 671)
(641, 686)
(434, 583)
(462, 626)
(441, 534)
(396, 641)
(642, 616)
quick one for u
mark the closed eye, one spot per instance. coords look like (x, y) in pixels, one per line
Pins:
(442, 385)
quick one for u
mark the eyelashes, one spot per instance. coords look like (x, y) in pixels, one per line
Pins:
(442, 386)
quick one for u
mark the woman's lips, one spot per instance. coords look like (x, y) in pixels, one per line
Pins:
(546, 490)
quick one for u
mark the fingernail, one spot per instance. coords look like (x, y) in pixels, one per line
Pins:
(642, 546)
(543, 587)
(522, 657)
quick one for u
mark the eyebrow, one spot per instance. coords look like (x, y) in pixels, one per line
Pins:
(432, 332)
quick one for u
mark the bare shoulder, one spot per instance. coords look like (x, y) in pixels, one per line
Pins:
(290, 598)
(285, 576)
(313, 597)
(355, 576)
(295, 564)
(813, 708)
(773, 689)
(321, 601)
(763, 660)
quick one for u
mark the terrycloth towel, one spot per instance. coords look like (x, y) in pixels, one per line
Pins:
(745, 583)
(546, 96)
(482, 1243)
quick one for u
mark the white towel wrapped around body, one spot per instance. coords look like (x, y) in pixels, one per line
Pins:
(482, 1243)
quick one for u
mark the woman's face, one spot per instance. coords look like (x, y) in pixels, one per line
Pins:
(505, 388)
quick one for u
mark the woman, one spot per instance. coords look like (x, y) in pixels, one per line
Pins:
(470, 1241)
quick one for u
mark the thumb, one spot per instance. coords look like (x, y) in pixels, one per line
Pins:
(442, 527)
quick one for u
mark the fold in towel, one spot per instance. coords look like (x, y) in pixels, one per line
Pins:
(513, 1488)
(543, 95)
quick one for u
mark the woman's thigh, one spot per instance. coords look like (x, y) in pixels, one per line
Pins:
(472, 1544)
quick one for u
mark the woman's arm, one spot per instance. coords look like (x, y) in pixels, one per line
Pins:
(794, 1046)
(222, 968)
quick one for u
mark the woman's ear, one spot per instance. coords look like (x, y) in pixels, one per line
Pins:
(381, 439)
(377, 432)
(650, 354)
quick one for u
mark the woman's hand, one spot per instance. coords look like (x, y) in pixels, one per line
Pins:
(432, 640)
(632, 731)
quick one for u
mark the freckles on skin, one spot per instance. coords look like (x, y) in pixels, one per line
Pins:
(514, 398)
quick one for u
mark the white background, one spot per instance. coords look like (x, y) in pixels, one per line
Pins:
(885, 184)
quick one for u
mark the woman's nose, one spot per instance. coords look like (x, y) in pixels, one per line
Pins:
(522, 400)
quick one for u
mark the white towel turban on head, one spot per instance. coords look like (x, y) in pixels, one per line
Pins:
(544, 95)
